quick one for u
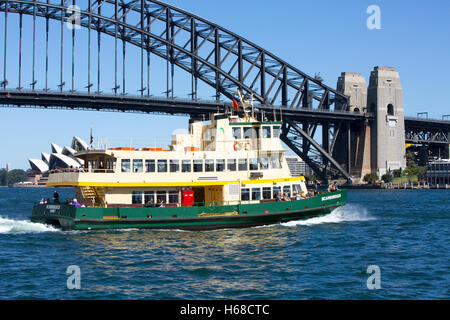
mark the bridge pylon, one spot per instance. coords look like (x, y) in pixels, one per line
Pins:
(353, 150)
(385, 100)
(379, 145)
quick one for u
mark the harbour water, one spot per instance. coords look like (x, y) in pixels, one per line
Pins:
(405, 233)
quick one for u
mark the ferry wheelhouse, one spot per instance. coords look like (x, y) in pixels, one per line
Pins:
(229, 171)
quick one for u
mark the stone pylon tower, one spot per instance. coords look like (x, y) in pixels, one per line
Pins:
(359, 158)
(385, 101)
(354, 85)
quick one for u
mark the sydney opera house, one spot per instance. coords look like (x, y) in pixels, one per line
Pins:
(59, 158)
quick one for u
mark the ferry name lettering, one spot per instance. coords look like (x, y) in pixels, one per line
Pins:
(53, 207)
(336, 196)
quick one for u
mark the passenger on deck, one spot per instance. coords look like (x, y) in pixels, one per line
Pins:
(75, 203)
(279, 196)
(55, 196)
(160, 204)
(286, 197)
(150, 203)
(316, 188)
(334, 187)
(303, 195)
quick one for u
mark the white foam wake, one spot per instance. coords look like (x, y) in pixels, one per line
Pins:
(341, 214)
(22, 226)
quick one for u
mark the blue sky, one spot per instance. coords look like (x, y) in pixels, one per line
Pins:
(315, 36)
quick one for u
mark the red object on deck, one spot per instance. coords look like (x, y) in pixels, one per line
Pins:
(235, 105)
(188, 197)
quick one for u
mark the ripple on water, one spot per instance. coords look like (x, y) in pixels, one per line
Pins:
(323, 257)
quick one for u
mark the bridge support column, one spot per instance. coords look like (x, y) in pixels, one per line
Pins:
(353, 142)
(385, 100)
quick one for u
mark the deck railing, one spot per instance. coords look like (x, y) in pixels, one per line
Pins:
(179, 204)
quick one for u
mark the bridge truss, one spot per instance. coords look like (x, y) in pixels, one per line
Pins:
(210, 54)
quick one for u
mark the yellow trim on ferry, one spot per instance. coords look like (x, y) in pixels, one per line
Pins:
(168, 184)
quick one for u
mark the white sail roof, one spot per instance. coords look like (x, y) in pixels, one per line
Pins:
(38, 165)
(58, 160)
(56, 148)
(68, 151)
(45, 157)
(79, 144)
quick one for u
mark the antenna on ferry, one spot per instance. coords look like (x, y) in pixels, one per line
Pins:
(241, 98)
(92, 138)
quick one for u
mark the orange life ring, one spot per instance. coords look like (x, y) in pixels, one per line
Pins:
(247, 146)
(237, 146)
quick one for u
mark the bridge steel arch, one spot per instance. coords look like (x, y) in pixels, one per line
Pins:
(210, 53)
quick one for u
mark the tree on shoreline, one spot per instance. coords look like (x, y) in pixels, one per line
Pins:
(11, 177)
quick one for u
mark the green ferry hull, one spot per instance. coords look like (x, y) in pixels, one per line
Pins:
(69, 217)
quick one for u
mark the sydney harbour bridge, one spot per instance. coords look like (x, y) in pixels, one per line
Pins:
(150, 57)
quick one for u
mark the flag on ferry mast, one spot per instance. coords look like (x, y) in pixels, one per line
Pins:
(92, 138)
(235, 105)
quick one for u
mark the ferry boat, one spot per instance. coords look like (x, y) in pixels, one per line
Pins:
(227, 172)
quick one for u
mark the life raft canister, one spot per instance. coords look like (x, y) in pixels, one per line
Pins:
(237, 146)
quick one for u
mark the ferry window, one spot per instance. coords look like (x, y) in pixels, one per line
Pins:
(111, 165)
(220, 165)
(149, 196)
(173, 196)
(275, 162)
(198, 165)
(231, 164)
(162, 165)
(126, 165)
(149, 165)
(296, 188)
(245, 194)
(264, 163)
(256, 194)
(209, 134)
(276, 131)
(276, 190)
(209, 165)
(251, 133)
(266, 132)
(136, 197)
(242, 164)
(161, 197)
(287, 189)
(247, 132)
(237, 133)
(186, 166)
(267, 193)
(137, 165)
(254, 164)
(174, 165)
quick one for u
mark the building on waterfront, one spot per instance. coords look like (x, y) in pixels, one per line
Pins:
(297, 166)
(59, 158)
(438, 172)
